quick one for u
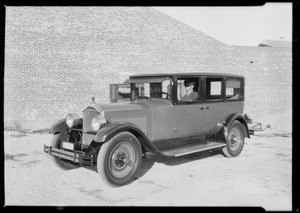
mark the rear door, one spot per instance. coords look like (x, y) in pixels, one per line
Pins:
(213, 105)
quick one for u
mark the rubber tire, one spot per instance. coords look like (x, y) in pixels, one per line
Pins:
(107, 150)
(60, 163)
(228, 151)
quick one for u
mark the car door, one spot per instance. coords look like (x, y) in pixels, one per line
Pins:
(187, 115)
(213, 105)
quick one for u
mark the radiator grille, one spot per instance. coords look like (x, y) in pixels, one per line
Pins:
(88, 115)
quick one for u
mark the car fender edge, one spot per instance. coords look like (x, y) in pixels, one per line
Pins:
(59, 126)
(239, 118)
(108, 131)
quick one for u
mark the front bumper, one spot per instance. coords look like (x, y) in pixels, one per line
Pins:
(73, 156)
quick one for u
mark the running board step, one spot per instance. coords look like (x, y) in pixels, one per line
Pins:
(185, 150)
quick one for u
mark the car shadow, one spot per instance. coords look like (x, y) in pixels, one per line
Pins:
(148, 162)
(151, 159)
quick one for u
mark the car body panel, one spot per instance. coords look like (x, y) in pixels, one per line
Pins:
(214, 116)
(136, 113)
(142, 114)
(162, 111)
(188, 120)
(233, 107)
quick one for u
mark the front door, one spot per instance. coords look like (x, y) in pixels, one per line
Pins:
(188, 113)
(188, 120)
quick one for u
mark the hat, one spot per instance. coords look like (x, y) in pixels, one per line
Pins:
(187, 84)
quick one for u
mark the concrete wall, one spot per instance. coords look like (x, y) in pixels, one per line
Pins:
(56, 58)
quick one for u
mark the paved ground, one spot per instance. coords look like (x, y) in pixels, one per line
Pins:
(260, 176)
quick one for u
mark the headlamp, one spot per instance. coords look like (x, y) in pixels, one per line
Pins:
(98, 122)
(71, 120)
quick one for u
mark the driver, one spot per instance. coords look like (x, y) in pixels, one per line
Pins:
(190, 95)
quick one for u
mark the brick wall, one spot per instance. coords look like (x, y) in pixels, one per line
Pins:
(268, 74)
(57, 58)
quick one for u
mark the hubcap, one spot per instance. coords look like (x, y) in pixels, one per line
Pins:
(235, 139)
(121, 159)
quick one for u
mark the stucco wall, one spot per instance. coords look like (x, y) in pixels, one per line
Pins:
(56, 58)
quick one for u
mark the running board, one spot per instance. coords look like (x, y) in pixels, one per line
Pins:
(185, 150)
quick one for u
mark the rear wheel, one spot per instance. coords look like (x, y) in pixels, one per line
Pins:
(235, 140)
(60, 163)
(119, 159)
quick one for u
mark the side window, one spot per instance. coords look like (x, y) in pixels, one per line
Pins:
(166, 89)
(180, 89)
(213, 88)
(160, 90)
(119, 93)
(142, 90)
(187, 90)
(155, 90)
(234, 89)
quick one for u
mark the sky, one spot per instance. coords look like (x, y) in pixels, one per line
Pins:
(246, 26)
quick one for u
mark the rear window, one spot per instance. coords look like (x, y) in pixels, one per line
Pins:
(234, 90)
(213, 89)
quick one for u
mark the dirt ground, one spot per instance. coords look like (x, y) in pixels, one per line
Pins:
(260, 176)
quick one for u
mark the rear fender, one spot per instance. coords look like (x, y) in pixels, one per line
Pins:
(239, 118)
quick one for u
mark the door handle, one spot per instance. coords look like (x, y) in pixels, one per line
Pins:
(204, 107)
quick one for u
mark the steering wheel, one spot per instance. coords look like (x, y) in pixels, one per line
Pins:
(141, 97)
(165, 93)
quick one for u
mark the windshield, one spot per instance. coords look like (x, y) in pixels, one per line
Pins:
(151, 90)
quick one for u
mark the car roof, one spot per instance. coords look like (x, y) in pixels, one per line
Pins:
(186, 74)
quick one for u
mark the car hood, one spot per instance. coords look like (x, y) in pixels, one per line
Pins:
(125, 107)
(137, 112)
(132, 106)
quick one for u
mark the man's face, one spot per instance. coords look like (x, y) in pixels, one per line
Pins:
(189, 88)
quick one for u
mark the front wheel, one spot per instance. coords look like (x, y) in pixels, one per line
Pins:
(119, 159)
(235, 140)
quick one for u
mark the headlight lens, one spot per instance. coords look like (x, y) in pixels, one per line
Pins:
(98, 122)
(70, 120)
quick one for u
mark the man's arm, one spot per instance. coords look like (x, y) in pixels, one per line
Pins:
(194, 96)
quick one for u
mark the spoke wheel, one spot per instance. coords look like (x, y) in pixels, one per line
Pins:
(235, 140)
(119, 159)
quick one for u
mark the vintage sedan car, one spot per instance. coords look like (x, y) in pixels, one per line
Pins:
(170, 115)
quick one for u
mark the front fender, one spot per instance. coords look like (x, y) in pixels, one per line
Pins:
(110, 130)
(59, 127)
(241, 119)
